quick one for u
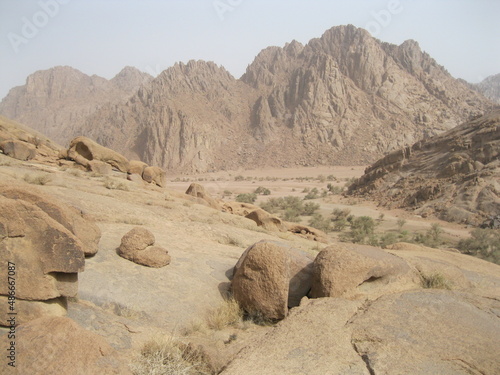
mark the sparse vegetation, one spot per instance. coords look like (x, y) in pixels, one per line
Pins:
(312, 194)
(483, 243)
(362, 231)
(239, 178)
(37, 179)
(167, 356)
(246, 198)
(309, 208)
(435, 281)
(432, 238)
(227, 314)
(400, 223)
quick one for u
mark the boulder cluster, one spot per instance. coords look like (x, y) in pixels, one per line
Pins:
(271, 277)
(91, 156)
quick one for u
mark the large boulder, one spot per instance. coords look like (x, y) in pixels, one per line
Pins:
(83, 148)
(359, 271)
(46, 257)
(267, 221)
(137, 246)
(270, 277)
(18, 149)
(100, 167)
(58, 345)
(155, 175)
(82, 227)
(27, 311)
(196, 190)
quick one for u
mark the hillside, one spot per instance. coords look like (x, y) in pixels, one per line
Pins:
(454, 175)
(345, 98)
(52, 100)
(490, 87)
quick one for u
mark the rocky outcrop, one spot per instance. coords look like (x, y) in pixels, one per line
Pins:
(415, 332)
(48, 257)
(73, 220)
(84, 150)
(344, 98)
(267, 221)
(155, 175)
(198, 191)
(58, 345)
(138, 246)
(270, 277)
(454, 175)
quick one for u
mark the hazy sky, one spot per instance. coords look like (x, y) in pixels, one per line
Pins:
(102, 36)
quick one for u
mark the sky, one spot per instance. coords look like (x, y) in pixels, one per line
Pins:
(103, 36)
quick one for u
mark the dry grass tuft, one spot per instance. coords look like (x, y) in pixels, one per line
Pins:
(435, 281)
(228, 314)
(166, 356)
(37, 179)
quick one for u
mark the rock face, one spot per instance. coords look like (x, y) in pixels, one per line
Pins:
(155, 175)
(270, 277)
(490, 87)
(57, 345)
(52, 100)
(359, 272)
(84, 150)
(137, 246)
(415, 332)
(316, 99)
(455, 175)
(47, 255)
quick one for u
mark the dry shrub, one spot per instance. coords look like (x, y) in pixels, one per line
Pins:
(167, 356)
(435, 281)
(228, 314)
(112, 184)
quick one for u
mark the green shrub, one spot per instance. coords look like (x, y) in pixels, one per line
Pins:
(239, 178)
(400, 223)
(246, 198)
(262, 191)
(292, 215)
(313, 194)
(435, 281)
(432, 238)
(483, 243)
(362, 230)
(319, 222)
(309, 208)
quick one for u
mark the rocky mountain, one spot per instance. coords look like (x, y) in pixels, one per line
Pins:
(53, 99)
(344, 98)
(455, 175)
(490, 87)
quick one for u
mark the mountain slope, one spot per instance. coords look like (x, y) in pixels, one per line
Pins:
(455, 175)
(490, 87)
(53, 99)
(344, 98)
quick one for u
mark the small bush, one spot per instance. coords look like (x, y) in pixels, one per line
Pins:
(334, 189)
(432, 238)
(435, 281)
(309, 208)
(362, 230)
(291, 214)
(319, 222)
(239, 178)
(400, 223)
(262, 191)
(37, 179)
(313, 194)
(246, 198)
